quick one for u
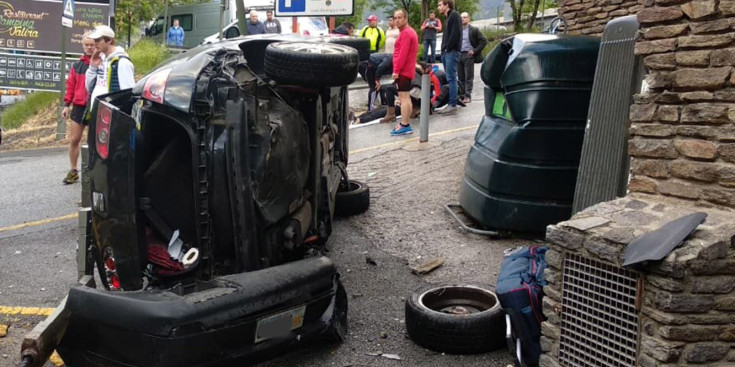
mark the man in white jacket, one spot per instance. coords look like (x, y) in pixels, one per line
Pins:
(110, 68)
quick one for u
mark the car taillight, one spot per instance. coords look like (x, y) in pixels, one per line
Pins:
(155, 86)
(104, 119)
(108, 260)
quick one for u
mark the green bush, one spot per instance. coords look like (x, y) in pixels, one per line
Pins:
(146, 55)
(15, 115)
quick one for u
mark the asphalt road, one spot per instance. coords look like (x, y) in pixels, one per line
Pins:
(38, 244)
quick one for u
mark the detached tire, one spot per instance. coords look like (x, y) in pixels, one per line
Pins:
(311, 64)
(353, 197)
(362, 45)
(455, 319)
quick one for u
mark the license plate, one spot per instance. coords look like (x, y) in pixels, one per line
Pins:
(279, 324)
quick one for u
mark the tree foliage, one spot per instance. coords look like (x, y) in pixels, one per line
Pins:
(418, 10)
(130, 13)
(357, 17)
(526, 10)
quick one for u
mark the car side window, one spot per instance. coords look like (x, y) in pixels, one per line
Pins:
(186, 21)
(232, 32)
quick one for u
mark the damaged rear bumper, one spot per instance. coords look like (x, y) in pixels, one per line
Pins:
(236, 320)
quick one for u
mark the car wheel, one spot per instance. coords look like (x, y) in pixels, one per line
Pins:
(311, 64)
(337, 331)
(455, 318)
(362, 45)
(353, 197)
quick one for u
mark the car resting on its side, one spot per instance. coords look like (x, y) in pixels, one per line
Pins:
(213, 187)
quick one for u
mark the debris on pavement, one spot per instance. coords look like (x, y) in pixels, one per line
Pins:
(385, 355)
(369, 260)
(3, 330)
(428, 266)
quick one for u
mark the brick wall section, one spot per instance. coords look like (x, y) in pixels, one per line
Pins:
(682, 135)
(688, 309)
(590, 16)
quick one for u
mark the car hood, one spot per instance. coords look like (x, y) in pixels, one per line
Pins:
(186, 67)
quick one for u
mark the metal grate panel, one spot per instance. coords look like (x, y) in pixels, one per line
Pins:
(599, 324)
(603, 166)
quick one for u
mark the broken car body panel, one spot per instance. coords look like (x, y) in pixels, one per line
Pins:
(658, 244)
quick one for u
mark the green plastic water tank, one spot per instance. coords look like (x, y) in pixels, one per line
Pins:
(520, 173)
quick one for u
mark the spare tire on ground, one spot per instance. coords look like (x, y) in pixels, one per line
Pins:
(353, 197)
(455, 318)
(315, 65)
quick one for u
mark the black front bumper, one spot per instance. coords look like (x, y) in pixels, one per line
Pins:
(212, 327)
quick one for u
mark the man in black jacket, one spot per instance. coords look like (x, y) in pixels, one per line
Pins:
(451, 45)
(473, 42)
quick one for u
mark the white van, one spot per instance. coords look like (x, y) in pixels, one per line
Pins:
(307, 26)
(198, 21)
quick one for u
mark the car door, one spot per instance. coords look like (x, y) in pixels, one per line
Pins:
(120, 244)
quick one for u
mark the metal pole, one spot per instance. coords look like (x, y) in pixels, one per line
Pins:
(221, 16)
(130, 26)
(61, 123)
(425, 103)
(542, 14)
(164, 28)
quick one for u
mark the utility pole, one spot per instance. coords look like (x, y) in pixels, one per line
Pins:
(543, 3)
(223, 5)
(241, 17)
(164, 28)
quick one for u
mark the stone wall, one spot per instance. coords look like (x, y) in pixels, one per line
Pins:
(687, 311)
(590, 16)
(682, 134)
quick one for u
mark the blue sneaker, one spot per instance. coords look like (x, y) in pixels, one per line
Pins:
(403, 130)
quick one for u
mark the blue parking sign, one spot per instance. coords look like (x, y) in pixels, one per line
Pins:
(292, 5)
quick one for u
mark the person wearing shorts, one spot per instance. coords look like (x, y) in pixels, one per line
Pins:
(75, 103)
(404, 69)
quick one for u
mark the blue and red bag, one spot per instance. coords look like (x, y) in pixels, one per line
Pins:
(520, 292)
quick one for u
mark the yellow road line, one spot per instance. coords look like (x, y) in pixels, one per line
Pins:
(399, 142)
(38, 222)
(26, 311)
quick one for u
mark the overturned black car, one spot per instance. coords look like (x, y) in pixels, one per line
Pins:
(213, 184)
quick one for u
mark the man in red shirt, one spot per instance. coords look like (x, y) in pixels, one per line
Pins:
(404, 69)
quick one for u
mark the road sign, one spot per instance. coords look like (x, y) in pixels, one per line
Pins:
(310, 8)
(19, 71)
(33, 25)
(69, 8)
(67, 19)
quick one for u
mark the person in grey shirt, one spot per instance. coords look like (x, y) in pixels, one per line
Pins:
(271, 25)
(473, 42)
(430, 27)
